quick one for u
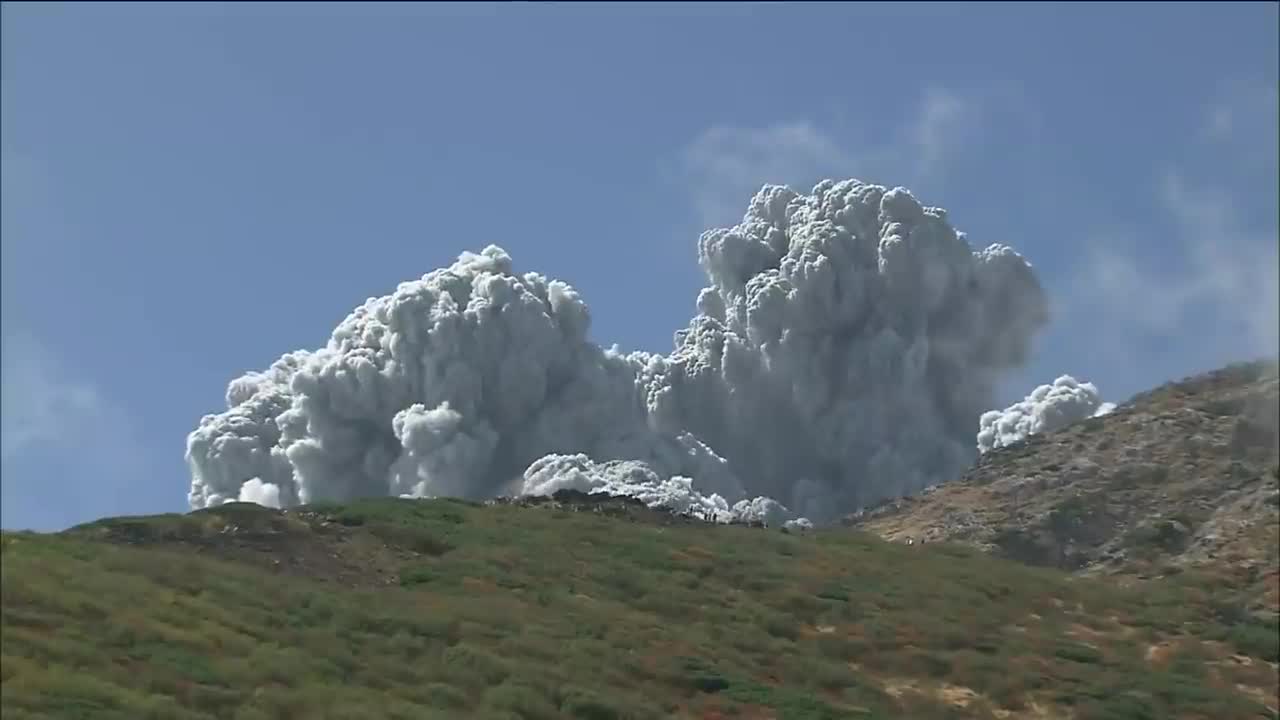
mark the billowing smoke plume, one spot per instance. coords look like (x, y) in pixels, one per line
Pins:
(552, 473)
(1047, 408)
(846, 343)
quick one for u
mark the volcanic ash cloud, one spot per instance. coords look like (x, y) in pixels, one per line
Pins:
(1047, 408)
(845, 345)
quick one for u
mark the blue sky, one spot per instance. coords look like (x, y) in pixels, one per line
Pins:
(190, 190)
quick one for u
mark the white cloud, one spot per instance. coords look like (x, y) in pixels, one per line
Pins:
(726, 163)
(1239, 129)
(1242, 109)
(1210, 285)
(1221, 120)
(69, 454)
(1235, 268)
(42, 405)
(944, 121)
(1223, 280)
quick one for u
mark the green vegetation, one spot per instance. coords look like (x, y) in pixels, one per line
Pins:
(423, 609)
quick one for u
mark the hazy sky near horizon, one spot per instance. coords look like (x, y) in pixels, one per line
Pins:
(191, 190)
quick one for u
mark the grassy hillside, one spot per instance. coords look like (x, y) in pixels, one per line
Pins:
(443, 609)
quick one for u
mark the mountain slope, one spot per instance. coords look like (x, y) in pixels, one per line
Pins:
(592, 608)
(1184, 476)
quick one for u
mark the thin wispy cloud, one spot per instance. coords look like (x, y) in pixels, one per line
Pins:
(726, 164)
(944, 121)
(1223, 273)
(1239, 129)
(1235, 267)
(68, 452)
(43, 406)
(1218, 269)
(1247, 109)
